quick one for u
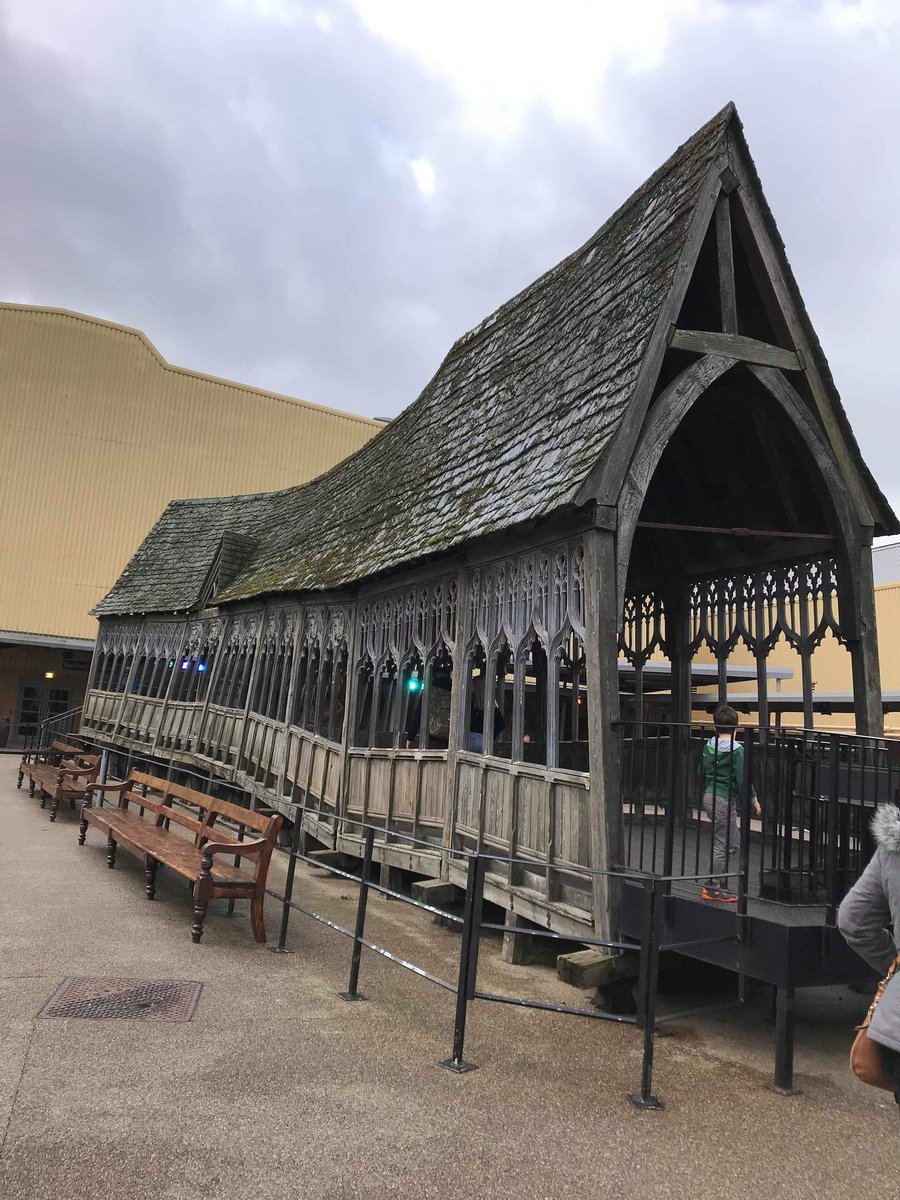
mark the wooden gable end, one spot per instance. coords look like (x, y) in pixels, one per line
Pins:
(734, 299)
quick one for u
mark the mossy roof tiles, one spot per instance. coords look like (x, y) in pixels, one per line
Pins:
(506, 432)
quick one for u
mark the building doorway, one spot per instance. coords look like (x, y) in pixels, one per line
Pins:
(39, 702)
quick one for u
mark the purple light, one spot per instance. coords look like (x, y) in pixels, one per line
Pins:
(185, 664)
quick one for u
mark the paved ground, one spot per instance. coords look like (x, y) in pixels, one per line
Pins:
(277, 1088)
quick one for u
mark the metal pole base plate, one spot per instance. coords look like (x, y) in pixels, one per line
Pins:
(652, 1102)
(785, 1091)
(457, 1066)
(352, 996)
(280, 950)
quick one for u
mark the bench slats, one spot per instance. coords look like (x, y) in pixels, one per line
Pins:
(148, 838)
(185, 859)
(66, 780)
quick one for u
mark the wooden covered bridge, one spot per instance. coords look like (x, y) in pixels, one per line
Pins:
(642, 455)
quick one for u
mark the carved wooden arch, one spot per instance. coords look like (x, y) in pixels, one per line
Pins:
(670, 410)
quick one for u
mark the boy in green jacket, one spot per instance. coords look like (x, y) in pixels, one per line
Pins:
(721, 772)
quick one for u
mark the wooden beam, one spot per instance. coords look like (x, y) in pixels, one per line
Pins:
(459, 699)
(734, 531)
(604, 482)
(666, 415)
(836, 489)
(725, 253)
(734, 345)
(864, 647)
(601, 654)
(782, 284)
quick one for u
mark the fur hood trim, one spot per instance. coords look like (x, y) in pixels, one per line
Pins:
(886, 827)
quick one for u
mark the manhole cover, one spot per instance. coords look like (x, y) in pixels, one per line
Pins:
(124, 999)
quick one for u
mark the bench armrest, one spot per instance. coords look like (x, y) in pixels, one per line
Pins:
(243, 849)
(75, 770)
(105, 787)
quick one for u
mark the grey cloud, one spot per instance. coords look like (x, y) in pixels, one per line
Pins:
(240, 190)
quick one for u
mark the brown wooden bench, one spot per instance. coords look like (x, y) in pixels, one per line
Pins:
(152, 819)
(60, 772)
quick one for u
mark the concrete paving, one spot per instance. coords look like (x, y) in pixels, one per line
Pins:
(277, 1088)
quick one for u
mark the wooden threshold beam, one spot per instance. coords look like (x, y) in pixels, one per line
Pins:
(735, 345)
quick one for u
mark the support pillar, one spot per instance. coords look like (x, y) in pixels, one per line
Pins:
(784, 1041)
(864, 648)
(602, 616)
(517, 947)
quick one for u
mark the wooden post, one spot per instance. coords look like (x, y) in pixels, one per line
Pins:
(212, 682)
(806, 679)
(727, 297)
(179, 643)
(601, 653)
(864, 648)
(350, 690)
(135, 658)
(761, 655)
(289, 700)
(459, 698)
(251, 682)
(678, 614)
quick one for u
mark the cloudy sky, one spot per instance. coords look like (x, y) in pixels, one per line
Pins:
(318, 198)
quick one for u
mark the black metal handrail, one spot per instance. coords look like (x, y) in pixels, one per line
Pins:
(817, 789)
(472, 925)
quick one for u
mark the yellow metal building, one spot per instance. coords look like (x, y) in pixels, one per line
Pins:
(97, 434)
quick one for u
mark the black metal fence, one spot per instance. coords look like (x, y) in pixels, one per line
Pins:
(472, 926)
(817, 791)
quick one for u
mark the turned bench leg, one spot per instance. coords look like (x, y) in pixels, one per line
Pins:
(21, 777)
(202, 892)
(82, 829)
(257, 919)
(110, 853)
(31, 786)
(54, 807)
(150, 872)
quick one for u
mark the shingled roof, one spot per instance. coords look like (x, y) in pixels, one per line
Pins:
(506, 432)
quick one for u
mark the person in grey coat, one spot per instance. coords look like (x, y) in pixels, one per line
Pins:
(869, 919)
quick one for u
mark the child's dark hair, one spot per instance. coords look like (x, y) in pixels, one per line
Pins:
(725, 718)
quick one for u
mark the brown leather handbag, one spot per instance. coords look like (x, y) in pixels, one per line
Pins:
(865, 1055)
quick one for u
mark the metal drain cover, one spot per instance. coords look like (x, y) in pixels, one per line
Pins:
(124, 999)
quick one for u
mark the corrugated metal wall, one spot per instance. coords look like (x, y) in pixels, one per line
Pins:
(887, 615)
(97, 434)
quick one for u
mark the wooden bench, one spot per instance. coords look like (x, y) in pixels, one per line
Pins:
(60, 772)
(147, 820)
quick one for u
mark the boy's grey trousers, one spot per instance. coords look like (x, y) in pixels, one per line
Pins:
(726, 838)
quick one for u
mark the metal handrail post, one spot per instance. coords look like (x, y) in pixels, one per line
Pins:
(784, 1041)
(831, 831)
(674, 759)
(468, 963)
(475, 940)
(281, 948)
(352, 993)
(648, 989)
(744, 845)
